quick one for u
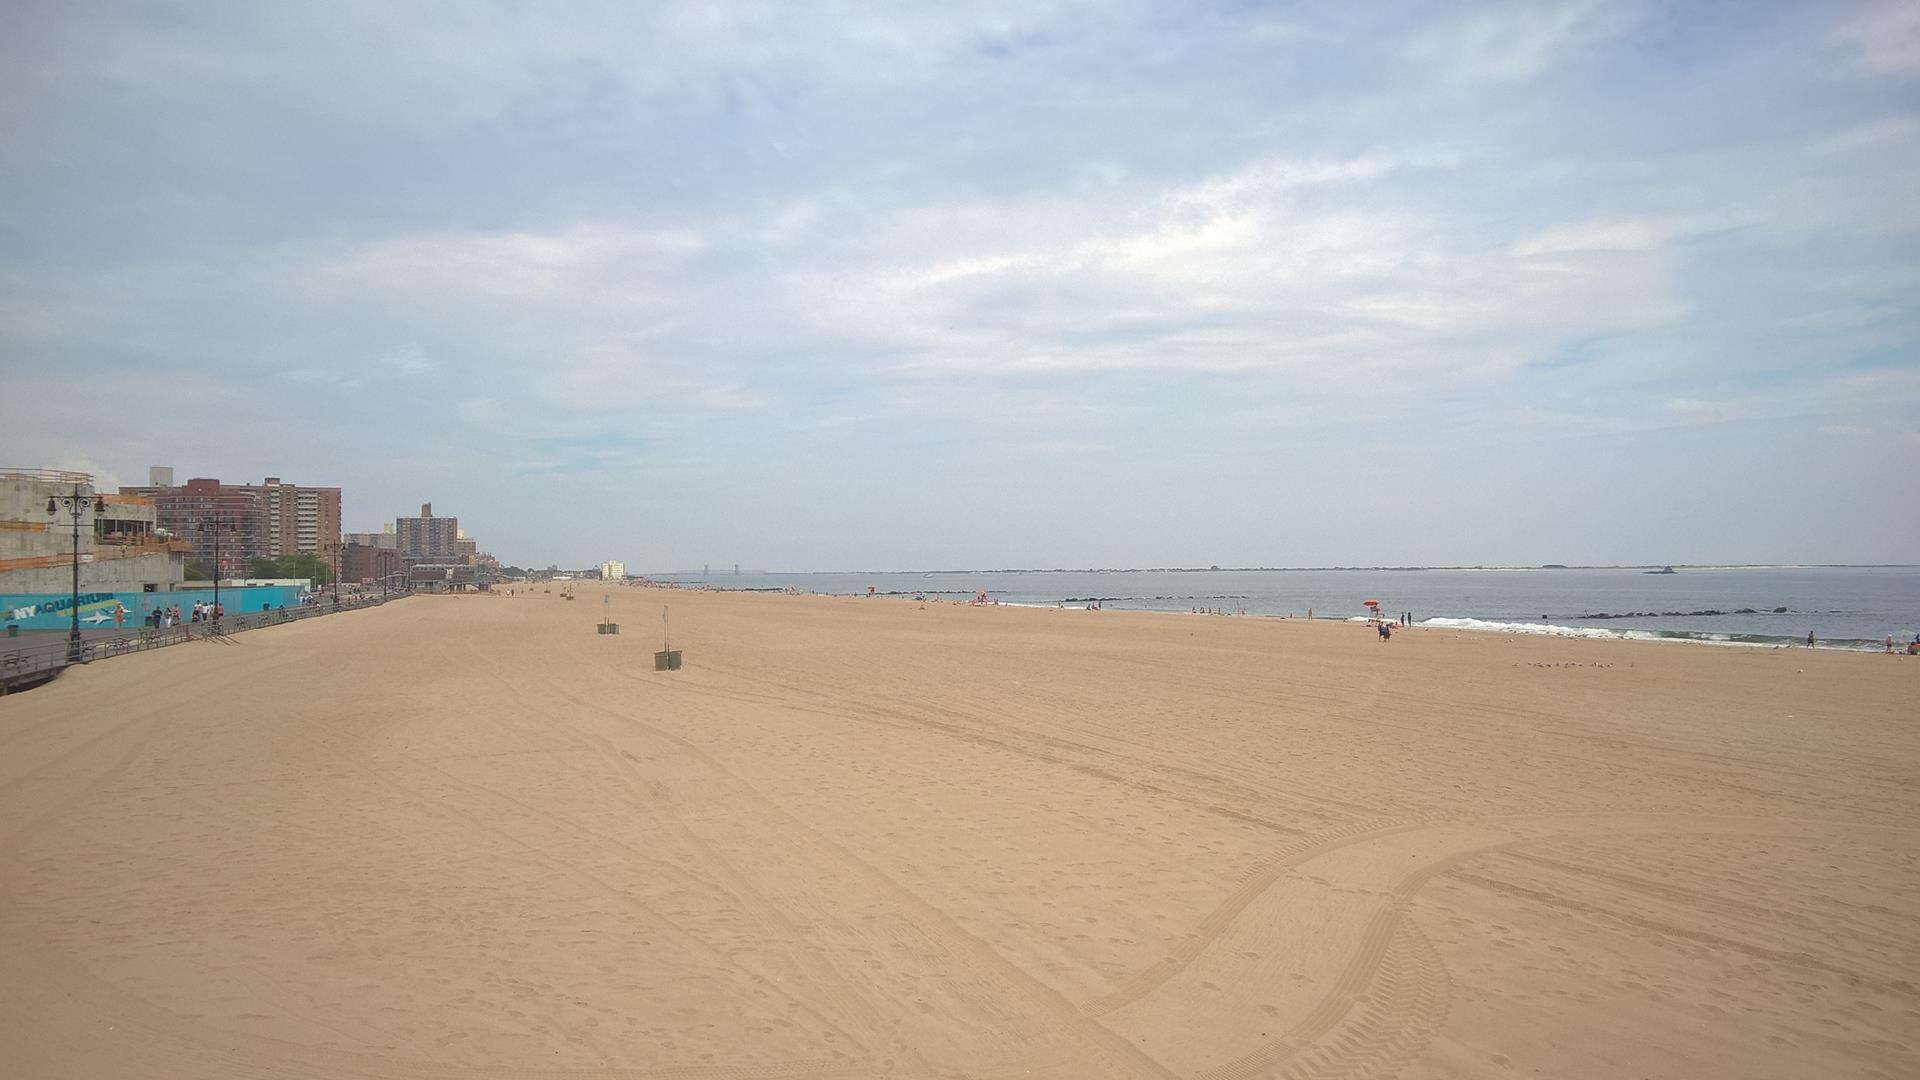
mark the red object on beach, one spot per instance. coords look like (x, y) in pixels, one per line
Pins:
(1371, 603)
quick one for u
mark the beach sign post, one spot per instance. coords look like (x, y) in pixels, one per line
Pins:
(668, 658)
(607, 625)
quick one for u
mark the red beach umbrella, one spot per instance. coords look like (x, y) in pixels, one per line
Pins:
(1371, 603)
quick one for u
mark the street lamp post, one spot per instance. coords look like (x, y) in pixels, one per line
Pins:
(75, 504)
(214, 526)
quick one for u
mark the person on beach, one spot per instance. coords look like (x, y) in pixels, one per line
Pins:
(1889, 644)
(1386, 630)
(1810, 639)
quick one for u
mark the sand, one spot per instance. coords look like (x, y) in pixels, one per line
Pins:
(467, 836)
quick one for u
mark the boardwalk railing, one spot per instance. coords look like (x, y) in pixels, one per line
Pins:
(26, 663)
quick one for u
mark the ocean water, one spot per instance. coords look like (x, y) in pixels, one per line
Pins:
(1845, 607)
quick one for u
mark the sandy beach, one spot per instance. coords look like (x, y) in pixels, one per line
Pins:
(466, 836)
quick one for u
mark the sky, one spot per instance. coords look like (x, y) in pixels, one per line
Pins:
(1028, 284)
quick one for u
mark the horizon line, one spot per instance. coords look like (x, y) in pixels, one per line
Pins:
(1291, 569)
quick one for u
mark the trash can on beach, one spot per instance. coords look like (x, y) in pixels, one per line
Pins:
(666, 660)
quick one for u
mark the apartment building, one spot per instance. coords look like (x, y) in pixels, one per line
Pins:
(428, 537)
(301, 518)
(254, 521)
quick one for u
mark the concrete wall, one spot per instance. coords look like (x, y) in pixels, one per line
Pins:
(25, 525)
(27, 530)
(164, 569)
(36, 548)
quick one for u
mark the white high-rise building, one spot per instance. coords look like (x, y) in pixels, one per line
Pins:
(613, 571)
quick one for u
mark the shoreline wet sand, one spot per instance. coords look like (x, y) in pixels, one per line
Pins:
(466, 835)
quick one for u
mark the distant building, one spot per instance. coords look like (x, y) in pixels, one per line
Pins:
(121, 548)
(385, 537)
(446, 577)
(301, 518)
(613, 571)
(428, 537)
(371, 565)
(211, 518)
(257, 521)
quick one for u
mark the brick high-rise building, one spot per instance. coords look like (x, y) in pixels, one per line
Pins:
(301, 518)
(428, 537)
(193, 510)
(262, 521)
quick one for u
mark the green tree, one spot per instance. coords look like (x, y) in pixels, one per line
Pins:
(197, 571)
(306, 564)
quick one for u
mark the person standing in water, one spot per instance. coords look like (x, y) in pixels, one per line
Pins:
(1810, 639)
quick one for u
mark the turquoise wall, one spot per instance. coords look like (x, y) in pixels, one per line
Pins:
(53, 611)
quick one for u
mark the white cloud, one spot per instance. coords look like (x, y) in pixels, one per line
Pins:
(517, 265)
(1848, 393)
(435, 66)
(744, 235)
(1882, 37)
(408, 362)
(1519, 42)
(1232, 274)
(1874, 134)
(1622, 235)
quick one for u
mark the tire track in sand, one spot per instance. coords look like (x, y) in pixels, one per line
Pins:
(1393, 993)
(823, 973)
(1012, 988)
(1395, 978)
(1254, 883)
